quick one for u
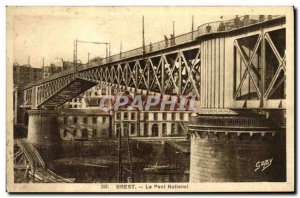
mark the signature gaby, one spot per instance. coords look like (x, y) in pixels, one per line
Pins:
(262, 165)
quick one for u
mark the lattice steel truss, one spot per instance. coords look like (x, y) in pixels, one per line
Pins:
(260, 66)
(173, 73)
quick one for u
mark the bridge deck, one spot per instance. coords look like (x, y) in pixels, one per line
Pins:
(163, 45)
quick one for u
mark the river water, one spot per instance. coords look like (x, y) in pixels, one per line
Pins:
(104, 168)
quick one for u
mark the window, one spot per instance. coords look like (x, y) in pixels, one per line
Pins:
(173, 128)
(132, 116)
(94, 120)
(181, 116)
(75, 120)
(164, 129)
(75, 133)
(94, 133)
(75, 106)
(132, 131)
(145, 129)
(84, 133)
(173, 116)
(75, 100)
(164, 116)
(96, 93)
(118, 116)
(155, 130)
(65, 133)
(118, 129)
(85, 120)
(125, 116)
(145, 116)
(104, 119)
(65, 120)
(70, 106)
(155, 116)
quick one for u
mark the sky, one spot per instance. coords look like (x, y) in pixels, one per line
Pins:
(48, 33)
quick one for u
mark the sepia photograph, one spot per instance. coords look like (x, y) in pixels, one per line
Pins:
(149, 99)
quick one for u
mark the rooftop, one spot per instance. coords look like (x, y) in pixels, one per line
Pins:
(84, 112)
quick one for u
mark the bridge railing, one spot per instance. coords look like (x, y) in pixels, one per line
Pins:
(207, 28)
(238, 22)
(232, 121)
(52, 77)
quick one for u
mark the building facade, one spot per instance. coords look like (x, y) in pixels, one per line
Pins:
(50, 70)
(25, 74)
(89, 99)
(82, 119)
(75, 103)
(66, 65)
(87, 124)
(151, 123)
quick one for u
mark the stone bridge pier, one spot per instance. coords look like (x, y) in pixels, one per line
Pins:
(43, 131)
(236, 149)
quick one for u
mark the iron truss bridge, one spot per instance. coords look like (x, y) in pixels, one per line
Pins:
(225, 64)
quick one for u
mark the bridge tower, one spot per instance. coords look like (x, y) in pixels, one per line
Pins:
(239, 133)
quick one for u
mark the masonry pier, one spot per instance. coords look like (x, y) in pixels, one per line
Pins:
(43, 130)
(236, 148)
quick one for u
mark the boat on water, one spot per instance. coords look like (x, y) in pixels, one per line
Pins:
(186, 172)
(162, 169)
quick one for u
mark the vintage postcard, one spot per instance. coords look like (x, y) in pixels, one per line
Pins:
(150, 99)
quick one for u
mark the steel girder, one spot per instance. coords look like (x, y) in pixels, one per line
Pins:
(263, 64)
(173, 73)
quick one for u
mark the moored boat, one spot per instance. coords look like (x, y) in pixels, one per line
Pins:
(162, 169)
